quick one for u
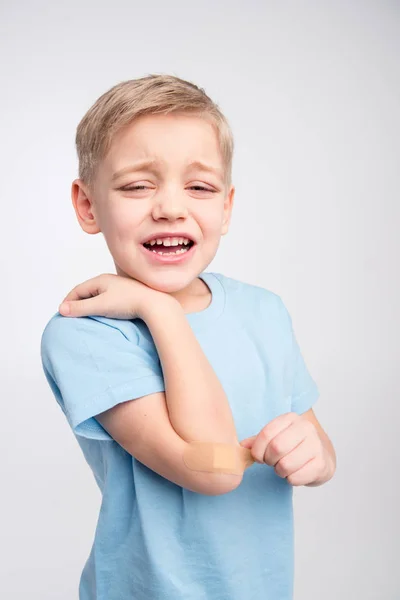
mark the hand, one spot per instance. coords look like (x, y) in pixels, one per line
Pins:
(110, 295)
(292, 445)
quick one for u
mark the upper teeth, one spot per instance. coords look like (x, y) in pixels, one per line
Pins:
(169, 241)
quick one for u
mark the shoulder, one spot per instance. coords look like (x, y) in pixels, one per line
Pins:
(71, 332)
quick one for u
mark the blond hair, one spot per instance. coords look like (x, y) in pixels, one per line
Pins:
(128, 100)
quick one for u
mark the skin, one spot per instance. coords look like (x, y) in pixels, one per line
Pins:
(295, 445)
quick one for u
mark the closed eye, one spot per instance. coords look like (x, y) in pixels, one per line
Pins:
(144, 187)
(200, 187)
(133, 188)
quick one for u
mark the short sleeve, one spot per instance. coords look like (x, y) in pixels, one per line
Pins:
(304, 390)
(92, 364)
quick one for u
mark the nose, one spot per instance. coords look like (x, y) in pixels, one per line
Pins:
(169, 206)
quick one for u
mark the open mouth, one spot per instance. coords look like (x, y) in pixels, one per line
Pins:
(171, 249)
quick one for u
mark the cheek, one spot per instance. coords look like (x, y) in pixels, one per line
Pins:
(210, 220)
(121, 222)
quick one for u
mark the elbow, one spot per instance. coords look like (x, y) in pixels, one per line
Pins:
(199, 460)
(217, 484)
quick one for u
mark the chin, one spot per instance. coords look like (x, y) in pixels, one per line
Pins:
(169, 282)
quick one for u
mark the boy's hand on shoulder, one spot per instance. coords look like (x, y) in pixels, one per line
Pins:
(297, 447)
(113, 296)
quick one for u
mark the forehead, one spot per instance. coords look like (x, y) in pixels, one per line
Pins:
(167, 139)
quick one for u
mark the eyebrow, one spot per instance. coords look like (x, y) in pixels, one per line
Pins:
(151, 165)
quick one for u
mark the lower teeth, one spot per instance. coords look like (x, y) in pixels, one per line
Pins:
(181, 251)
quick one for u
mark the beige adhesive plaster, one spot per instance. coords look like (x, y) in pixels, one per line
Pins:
(217, 458)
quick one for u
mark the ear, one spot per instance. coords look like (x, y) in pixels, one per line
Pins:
(82, 199)
(228, 205)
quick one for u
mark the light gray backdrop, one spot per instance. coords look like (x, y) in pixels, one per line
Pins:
(312, 92)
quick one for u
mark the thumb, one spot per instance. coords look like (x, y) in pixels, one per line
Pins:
(79, 308)
(248, 442)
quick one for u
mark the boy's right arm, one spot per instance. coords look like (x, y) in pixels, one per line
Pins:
(142, 427)
(157, 428)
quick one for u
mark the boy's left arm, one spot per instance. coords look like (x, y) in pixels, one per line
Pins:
(297, 447)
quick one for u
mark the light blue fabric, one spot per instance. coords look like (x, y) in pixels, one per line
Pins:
(155, 540)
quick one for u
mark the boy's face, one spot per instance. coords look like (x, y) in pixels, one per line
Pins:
(172, 197)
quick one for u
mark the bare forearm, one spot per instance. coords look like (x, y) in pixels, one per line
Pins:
(197, 404)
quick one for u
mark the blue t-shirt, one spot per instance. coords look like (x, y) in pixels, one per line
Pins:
(155, 540)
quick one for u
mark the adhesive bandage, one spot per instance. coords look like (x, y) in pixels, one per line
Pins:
(217, 458)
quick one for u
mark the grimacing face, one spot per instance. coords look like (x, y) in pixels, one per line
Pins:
(171, 196)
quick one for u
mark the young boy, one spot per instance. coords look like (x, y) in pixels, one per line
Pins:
(162, 368)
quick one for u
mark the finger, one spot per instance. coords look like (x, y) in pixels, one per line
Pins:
(269, 432)
(296, 459)
(307, 474)
(286, 441)
(87, 289)
(248, 442)
(81, 308)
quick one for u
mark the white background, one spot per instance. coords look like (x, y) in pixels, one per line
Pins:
(312, 92)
